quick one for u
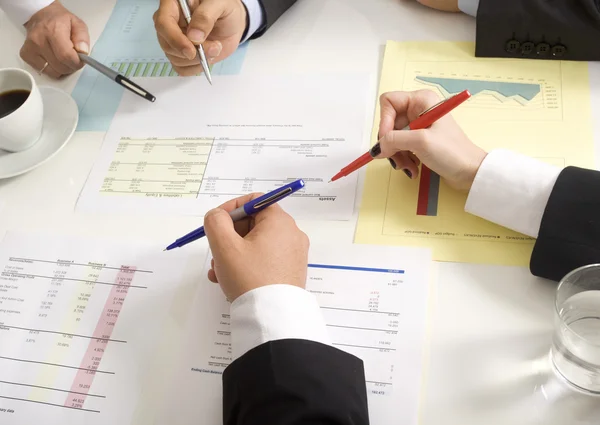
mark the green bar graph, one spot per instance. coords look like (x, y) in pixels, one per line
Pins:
(139, 69)
(146, 69)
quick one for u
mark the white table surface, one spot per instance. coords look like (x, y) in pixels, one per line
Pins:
(487, 324)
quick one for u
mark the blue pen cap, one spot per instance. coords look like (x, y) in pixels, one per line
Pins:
(273, 197)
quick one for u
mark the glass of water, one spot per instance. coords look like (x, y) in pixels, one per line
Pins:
(576, 342)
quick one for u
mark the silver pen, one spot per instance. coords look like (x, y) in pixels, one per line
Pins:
(118, 78)
(188, 18)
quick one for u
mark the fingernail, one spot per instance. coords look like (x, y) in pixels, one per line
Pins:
(83, 47)
(197, 36)
(375, 150)
(215, 50)
(408, 173)
(190, 53)
(392, 163)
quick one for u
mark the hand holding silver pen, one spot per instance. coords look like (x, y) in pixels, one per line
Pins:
(188, 18)
(219, 25)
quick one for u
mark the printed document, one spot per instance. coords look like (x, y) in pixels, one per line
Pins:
(80, 322)
(198, 146)
(538, 108)
(374, 301)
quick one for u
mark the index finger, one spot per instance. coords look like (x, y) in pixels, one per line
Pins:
(166, 22)
(399, 108)
(242, 227)
(394, 106)
(239, 202)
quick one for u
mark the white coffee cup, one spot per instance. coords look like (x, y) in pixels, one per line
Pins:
(22, 128)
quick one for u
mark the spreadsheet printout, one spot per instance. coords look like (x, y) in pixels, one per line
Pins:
(79, 321)
(199, 146)
(374, 302)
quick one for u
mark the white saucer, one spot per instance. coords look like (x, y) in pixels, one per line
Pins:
(60, 120)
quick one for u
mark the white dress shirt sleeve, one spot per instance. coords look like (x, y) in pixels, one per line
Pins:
(512, 190)
(275, 312)
(256, 17)
(20, 11)
(468, 6)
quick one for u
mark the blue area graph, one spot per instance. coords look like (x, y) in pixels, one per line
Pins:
(129, 45)
(521, 92)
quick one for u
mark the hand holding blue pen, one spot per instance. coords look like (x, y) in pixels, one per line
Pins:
(248, 209)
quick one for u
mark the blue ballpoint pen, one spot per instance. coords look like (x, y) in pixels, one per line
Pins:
(252, 207)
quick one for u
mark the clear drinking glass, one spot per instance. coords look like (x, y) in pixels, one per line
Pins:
(576, 343)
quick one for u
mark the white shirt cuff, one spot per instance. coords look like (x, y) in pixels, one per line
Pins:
(469, 6)
(275, 312)
(512, 190)
(20, 11)
(256, 17)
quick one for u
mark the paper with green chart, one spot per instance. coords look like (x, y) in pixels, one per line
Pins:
(129, 45)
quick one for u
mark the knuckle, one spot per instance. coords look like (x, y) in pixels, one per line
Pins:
(24, 52)
(304, 239)
(429, 95)
(63, 56)
(210, 217)
(82, 25)
(36, 38)
(161, 23)
(201, 16)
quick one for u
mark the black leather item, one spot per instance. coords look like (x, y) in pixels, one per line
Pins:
(295, 382)
(570, 231)
(570, 27)
(272, 10)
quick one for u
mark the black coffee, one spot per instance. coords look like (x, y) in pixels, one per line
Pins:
(12, 100)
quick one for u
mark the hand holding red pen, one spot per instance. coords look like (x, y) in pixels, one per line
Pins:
(441, 145)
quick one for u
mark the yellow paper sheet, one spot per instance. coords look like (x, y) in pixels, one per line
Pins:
(538, 108)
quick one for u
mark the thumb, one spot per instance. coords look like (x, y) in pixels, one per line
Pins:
(220, 231)
(80, 36)
(203, 20)
(403, 140)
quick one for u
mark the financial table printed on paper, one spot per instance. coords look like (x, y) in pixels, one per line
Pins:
(192, 167)
(70, 341)
(204, 154)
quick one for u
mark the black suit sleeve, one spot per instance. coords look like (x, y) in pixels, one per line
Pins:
(570, 231)
(272, 9)
(295, 382)
(539, 29)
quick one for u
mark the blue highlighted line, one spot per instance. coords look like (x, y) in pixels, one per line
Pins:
(356, 269)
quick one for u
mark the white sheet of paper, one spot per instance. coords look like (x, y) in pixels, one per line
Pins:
(79, 322)
(374, 301)
(198, 146)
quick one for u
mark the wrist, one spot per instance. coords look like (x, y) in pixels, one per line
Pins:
(472, 168)
(246, 20)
